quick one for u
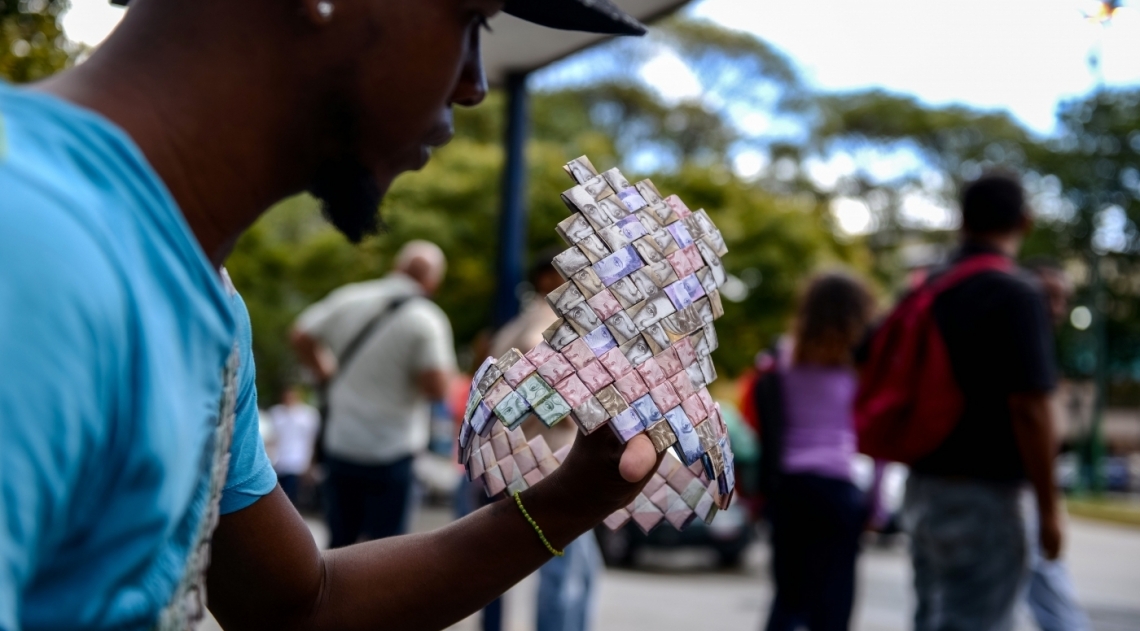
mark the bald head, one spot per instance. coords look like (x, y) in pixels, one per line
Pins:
(423, 262)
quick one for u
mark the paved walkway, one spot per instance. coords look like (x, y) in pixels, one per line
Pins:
(676, 590)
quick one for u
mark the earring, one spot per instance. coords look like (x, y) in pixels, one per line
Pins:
(325, 9)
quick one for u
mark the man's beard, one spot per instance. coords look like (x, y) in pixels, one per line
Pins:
(350, 198)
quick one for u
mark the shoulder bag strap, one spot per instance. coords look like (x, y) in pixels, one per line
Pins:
(350, 351)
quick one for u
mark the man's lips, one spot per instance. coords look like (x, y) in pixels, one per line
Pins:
(439, 136)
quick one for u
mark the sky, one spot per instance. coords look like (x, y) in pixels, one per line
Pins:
(1019, 56)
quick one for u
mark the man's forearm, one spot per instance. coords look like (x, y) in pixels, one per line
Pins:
(433, 580)
(1033, 428)
(268, 574)
(433, 383)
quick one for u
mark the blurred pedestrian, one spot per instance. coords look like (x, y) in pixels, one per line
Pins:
(295, 426)
(963, 499)
(385, 353)
(1049, 594)
(815, 510)
(566, 598)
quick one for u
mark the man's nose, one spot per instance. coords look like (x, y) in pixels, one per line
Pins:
(472, 86)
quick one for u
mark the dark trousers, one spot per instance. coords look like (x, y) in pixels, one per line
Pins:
(816, 522)
(290, 483)
(367, 501)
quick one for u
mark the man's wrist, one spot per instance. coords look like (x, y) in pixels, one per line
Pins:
(560, 511)
(1048, 503)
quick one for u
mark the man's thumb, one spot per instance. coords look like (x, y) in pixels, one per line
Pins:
(638, 460)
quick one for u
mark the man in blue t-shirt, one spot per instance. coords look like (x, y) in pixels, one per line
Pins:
(132, 477)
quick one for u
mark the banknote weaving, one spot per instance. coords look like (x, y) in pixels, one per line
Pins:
(630, 350)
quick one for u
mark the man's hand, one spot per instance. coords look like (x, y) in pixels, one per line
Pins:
(599, 476)
(314, 355)
(1052, 534)
(607, 472)
(1033, 428)
(266, 571)
(434, 383)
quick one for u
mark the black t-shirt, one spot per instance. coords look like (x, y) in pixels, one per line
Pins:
(997, 331)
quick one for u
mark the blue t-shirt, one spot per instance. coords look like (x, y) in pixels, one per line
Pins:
(114, 334)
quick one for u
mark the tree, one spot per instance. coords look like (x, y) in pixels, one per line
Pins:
(1095, 161)
(32, 42)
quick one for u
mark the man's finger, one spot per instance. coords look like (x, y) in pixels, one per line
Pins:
(638, 460)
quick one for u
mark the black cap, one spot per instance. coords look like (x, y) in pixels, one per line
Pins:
(592, 16)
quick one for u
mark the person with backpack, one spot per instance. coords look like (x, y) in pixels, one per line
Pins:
(805, 406)
(956, 384)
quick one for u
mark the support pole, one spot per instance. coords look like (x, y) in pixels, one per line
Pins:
(512, 219)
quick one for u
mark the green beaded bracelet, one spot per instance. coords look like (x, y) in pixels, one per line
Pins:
(534, 524)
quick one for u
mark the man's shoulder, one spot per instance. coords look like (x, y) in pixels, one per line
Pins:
(419, 310)
(49, 252)
(56, 227)
(994, 289)
(1012, 290)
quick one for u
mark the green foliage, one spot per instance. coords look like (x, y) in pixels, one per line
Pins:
(742, 68)
(1096, 161)
(774, 243)
(32, 43)
(636, 120)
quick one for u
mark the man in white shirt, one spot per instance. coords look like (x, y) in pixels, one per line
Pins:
(295, 425)
(385, 353)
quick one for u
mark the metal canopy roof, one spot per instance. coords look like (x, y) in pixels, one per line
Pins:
(515, 45)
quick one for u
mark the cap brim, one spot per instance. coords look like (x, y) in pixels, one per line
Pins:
(591, 16)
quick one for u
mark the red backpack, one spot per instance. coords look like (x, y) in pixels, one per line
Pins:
(908, 400)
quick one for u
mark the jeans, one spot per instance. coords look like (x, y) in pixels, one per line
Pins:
(969, 552)
(816, 522)
(566, 587)
(1049, 593)
(369, 501)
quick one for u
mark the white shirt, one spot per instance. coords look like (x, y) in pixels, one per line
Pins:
(295, 427)
(377, 414)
